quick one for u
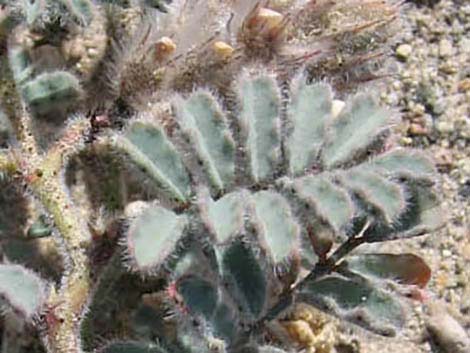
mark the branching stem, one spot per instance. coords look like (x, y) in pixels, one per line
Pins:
(45, 177)
(320, 269)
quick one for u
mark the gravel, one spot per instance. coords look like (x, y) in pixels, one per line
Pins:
(432, 91)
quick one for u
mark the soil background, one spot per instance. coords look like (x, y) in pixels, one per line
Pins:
(431, 90)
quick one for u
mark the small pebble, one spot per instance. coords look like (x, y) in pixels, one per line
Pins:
(445, 48)
(403, 51)
(417, 129)
(443, 158)
(445, 127)
(464, 85)
(446, 253)
(464, 192)
(405, 141)
(447, 332)
(337, 107)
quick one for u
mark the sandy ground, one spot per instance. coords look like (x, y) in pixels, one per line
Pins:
(432, 91)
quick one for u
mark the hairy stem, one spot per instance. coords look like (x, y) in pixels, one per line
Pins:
(29, 146)
(46, 180)
(72, 296)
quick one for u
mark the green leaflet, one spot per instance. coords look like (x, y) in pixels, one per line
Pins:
(308, 112)
(133, 347)
(81, 10)
(153, 235)
(206, 126)
(248, 280)
(260, 117)
(404, 163)
(225, 217)
(330, 202)
(202, 297)
(355, 129)
(20, 64)
(357, 300)
(385, 196)
(422, 215)
(403, 268)
(22, 289)
(199, 295)
(149, 148)
(277, 229)
(51, 90)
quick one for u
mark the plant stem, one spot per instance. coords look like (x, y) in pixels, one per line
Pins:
(45, 176)
(320, 269)
(75, 287)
